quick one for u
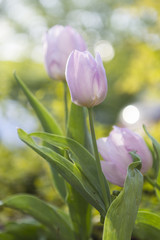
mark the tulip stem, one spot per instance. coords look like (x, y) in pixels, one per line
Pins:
(104, 187)
(65, 104)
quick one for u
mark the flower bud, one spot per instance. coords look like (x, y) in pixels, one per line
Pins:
(59, 42)
(86, 78)
(115, 152)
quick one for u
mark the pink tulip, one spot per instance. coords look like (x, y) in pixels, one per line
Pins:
(115, 152)
(59, 42)
(86, 78)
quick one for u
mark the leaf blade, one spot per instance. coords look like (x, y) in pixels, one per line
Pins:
(156, 146)
(79, 208)
(41, 211)
(68, 170)
(83, 159)
(125, 207)
(48, 122)
(49, 125)
(149, 218)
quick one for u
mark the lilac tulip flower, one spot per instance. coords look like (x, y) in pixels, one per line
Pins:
(59, 42)
(86, 78)
(115, 152)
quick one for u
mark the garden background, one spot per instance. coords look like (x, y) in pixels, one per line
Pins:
(126, 33)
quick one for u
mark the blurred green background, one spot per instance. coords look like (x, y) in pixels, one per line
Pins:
(127, 35)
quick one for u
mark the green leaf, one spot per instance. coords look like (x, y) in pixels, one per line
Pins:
(121, 215)
(69, 171)
(46, 214)
(80, 210)
(49, 125)
(76, 123)
(84, 161)
(25, 231)
(147, 225)
(47, 121)
(145, 232)
(59, 183)
(136, 158)
(149, 218)
(154, 141)
(77, 126)
(156, 146)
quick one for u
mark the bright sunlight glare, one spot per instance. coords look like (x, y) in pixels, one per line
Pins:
(131, 114)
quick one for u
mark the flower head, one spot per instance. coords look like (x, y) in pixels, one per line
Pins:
(86, 78)
(115, 152)
(59, 42)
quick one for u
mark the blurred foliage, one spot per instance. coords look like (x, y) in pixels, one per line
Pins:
(23, 171)
(131, 26)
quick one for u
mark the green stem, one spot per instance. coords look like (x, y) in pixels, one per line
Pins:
(105, 189)
(153, 183)
(65, 104)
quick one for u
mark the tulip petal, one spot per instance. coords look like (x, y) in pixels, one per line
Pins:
(83, 78)
(112, 173)
(115, 151)
(138, 145)
(59, 42)
(112, 150)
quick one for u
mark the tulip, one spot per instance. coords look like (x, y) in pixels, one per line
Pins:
(59, 42)
(86, 78)
(115, 150)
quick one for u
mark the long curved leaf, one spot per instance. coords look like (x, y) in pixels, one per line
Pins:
(26, 231)
(147, 225)
(49, 124)
(156, 146)
(82, 158)
(77, 126)
(148, 218)
(121, 215)
(43, 212)
(68, 170)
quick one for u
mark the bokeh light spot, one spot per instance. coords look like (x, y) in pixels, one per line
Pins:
(105, 49)
(131, 114)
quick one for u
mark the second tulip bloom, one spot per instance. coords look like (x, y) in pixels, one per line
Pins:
(59, 42)
(115, 152)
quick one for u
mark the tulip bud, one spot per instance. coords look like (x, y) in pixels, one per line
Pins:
(115, 152)
(86, 78)
(59, 42)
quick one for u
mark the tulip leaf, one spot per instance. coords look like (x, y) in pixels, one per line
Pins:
(149, 218)
(76, 123)
(79, 208)
(77, 126)
(46, 214)
(49, 125)
(147, 225)
(156, 146)
(26, 230)
(136, 158)
(69, 170)
(121, 215)
(80, 212)
(48, 122)
(78, 154)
